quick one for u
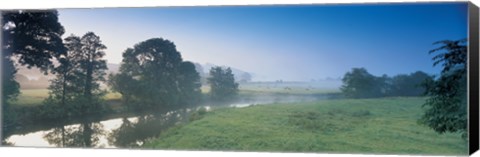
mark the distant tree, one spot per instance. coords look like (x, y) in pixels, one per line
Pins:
(222, 84)
(360, 84)
(409, 85)
(157, 74)
(201, 73)
(446, 107)
(30, 38)
(245, 77)
(21, 78)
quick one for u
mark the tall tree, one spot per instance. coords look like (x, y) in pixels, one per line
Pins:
(65, 87)
(155, 70)
(222, 84)
(31, 38)
(446, 108)
(92, 69)
(76, 91)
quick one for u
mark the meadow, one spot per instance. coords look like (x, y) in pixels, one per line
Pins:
(371, 126)
(34, 97)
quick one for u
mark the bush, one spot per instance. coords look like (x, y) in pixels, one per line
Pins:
(199, 114)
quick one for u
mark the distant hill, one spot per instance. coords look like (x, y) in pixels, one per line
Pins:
(113, 68)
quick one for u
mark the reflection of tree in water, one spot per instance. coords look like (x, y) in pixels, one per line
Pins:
(134, 134)
(83, 135)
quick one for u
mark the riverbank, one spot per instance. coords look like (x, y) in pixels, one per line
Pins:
(29, 118)
(379, 126)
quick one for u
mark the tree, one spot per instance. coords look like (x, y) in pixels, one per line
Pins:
(153, 74)
(62, 89)
(76, 91)
(125, 85)
(360, 84)
(222, 84)
(189, 82)
(446, 107)
(31, 38)
(245, 77)
(91, 70)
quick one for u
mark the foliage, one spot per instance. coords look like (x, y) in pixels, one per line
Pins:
(76, 91)
(153, 75)
(198, 114)
(409, 85)
(33, 37)
(30, 38)
(383, 125)
(222, 84)
(360, 84)
(446, 109)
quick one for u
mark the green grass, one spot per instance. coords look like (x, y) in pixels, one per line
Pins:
(259, 88)
(32, 97)
(29, 97)
(374, 126)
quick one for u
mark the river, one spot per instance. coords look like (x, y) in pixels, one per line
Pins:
(130, 131)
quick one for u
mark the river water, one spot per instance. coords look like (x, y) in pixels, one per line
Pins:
(132, 131)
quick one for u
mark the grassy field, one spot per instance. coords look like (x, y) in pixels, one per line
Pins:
(372, 126)
(285, 88)
(29, 97)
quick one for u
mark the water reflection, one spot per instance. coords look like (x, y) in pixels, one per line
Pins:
(134, 134)
(86, 134)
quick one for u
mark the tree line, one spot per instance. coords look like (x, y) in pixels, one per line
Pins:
(359, 83)
(445, 109)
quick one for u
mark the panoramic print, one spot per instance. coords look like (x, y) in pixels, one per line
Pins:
(337, 78)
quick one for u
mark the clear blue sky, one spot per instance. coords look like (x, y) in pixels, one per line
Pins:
(294, 43)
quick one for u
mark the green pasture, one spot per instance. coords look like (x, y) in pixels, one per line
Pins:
(371, 126)
(29, 97)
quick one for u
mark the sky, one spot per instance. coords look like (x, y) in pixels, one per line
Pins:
(284, 42)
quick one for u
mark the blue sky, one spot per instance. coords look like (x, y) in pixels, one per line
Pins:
(292, 42)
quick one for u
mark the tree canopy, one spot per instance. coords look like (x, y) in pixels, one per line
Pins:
(360, 84)
(33, 37)
(153, 73)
